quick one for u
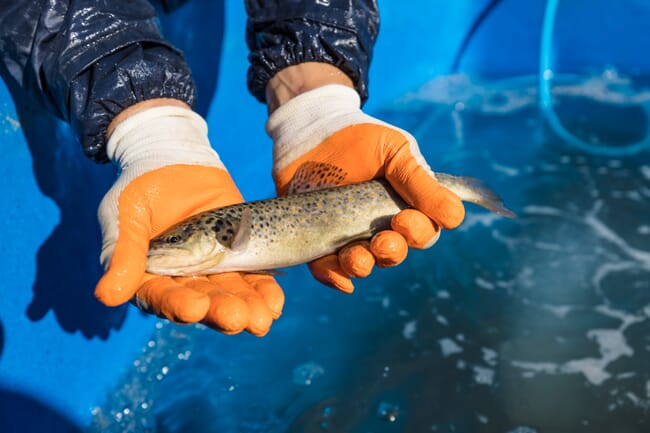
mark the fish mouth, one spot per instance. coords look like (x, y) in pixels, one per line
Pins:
(168, 252)
(180, 262)
(156, 254)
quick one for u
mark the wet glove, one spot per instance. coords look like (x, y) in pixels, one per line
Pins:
(168, 171)
(326, 125)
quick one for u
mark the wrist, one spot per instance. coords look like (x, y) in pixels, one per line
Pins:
(307, 120)
(297, 79)
(160, 135)
(141, 106)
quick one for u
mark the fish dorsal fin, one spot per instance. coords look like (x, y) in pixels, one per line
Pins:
(243, 234)
(312, 176)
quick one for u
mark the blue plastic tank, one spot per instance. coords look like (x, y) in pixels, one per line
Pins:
(65, 359)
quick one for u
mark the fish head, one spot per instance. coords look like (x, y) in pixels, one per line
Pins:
(187, 249)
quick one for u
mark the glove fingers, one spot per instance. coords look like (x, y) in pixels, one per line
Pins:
(270, 291)
(145, 206)
(389, 248)
(356, 260)
(418, 229)
(328, 271)
(261, 317)
(420, 189)
(126, 268)
(167, 298)
(227, 313)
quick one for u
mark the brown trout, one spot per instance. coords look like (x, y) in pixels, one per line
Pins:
(293, 229)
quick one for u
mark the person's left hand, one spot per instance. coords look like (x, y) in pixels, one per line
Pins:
(168, 172)
(326, 126)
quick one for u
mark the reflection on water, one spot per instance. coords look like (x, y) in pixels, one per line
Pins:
(541, 324)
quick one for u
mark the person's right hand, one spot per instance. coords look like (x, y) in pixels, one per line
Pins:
(316, 122)
(169, 172)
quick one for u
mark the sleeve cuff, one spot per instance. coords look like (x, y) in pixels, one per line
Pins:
(133, 74)
(342, 37)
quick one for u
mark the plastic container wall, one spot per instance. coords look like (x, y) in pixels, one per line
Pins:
(60, 351)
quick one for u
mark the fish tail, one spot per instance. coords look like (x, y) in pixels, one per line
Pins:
(475, 191)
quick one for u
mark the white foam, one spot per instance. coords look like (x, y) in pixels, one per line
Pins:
(490, 356)
(514, 94)
(478, 219)
(612, 345)
(645, 171)
(483, 375)
(504, 169)
(449, 347)
(643, 229)
(483, 283)
(605, 233)
(558, 310)
(304, 374)
(409, 329)
(441, 319)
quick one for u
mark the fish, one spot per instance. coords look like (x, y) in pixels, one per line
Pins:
(317, 217)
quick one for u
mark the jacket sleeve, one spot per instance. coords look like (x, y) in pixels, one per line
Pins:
(281, 33)
(88, 60)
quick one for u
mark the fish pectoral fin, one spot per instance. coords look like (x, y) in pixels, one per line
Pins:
(312, 176)
(242, 237)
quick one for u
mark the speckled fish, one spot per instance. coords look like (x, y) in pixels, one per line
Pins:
(313, 220)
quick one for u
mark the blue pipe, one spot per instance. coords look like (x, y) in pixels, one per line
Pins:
(546, 102)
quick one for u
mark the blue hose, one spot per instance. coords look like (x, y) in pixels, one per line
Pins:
(546, 102)
(478, 22)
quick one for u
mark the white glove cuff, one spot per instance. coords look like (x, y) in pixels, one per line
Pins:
(306, 120)
(158, 137)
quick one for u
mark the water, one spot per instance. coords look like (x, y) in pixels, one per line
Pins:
(541, 324)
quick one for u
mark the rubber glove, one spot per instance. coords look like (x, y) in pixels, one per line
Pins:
(326, 125)
(168, 171)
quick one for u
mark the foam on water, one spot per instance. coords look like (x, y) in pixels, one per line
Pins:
(449, 347)
(515, 94)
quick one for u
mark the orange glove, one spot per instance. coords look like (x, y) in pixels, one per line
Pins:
(168, 171)
(326, 125)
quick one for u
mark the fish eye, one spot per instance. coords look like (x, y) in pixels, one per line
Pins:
(173, 239)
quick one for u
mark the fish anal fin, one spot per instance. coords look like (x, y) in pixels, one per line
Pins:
(312, 176)
(243, 235)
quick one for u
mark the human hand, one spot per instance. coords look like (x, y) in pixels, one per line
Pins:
(168, 172)
(326, 125)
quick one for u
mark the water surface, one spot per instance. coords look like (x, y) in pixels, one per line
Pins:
(540, 324)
